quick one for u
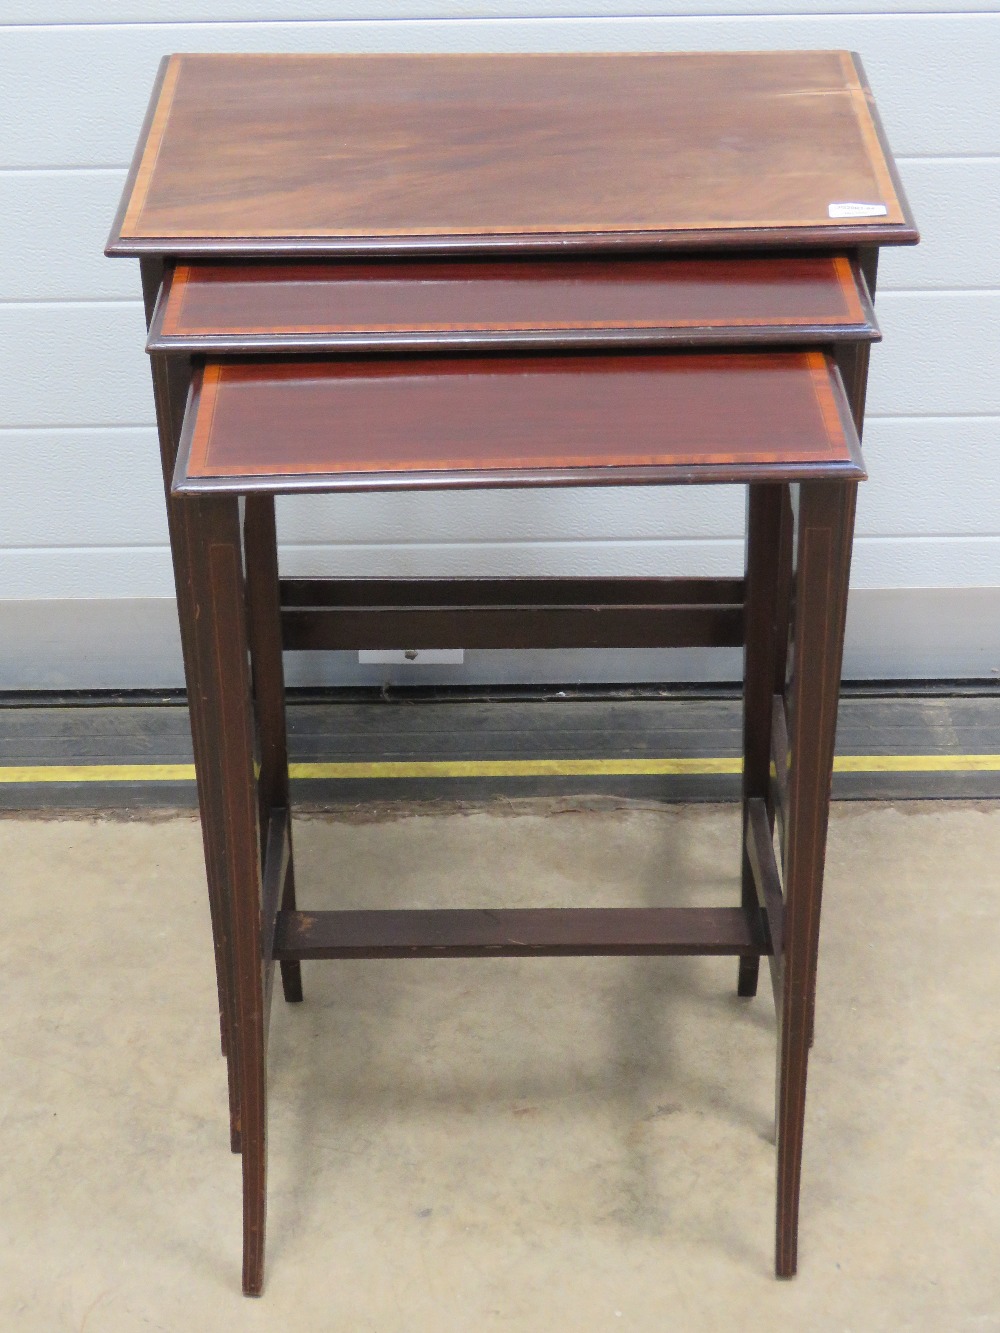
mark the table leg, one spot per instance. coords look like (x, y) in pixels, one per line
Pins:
(783, 632)
(783, 596)
(267, 672)
(171, 379)
(222, 648)
(853, 357)
(765, 507)
(852, 361)
(825, 529)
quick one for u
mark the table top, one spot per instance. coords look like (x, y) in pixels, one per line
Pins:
(364, 154)
(516, 421)
(477, 304)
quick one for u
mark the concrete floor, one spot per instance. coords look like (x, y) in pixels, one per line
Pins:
(537, 1145)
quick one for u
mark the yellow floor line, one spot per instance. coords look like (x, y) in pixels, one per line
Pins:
(98, 773)
(501, 768)
(917, 763)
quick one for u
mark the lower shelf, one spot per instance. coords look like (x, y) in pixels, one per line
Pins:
(517, 933)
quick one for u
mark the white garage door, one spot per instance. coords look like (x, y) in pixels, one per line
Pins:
(85, 583)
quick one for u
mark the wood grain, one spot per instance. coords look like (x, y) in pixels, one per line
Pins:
(390, 304)
(525, 419)
(363, 147)
(537, 932)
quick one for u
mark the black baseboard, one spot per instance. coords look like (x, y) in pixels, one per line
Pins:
(126, 750)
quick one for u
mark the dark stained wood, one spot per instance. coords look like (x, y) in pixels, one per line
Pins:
(220, 634)
(277, 859)
(154, 274)
(171, 382)
(866, 260)
(783, 595)
(763, 549)
(825, 527)
(759, 845)
(477, 304)
(511, 613)
(263, 152)
(312, 592)
(516, 421)
(268, 683)
(853, 355)
(541, 195)
(517, 932)
(514, 626)
(778, 776)
(852, 363)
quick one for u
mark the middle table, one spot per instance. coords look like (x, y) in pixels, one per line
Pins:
(399, 420)
(393, 307)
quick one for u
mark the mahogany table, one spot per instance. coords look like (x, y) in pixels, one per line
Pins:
(666, 228)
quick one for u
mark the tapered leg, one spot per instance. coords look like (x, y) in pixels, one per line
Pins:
(853, 357)
(783, 590)
(825, 528)
(264, 611)
(224, 686)
(170, 381)
(764, 511)
(852, 361)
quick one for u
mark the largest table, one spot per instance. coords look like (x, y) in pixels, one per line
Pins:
(591, 157)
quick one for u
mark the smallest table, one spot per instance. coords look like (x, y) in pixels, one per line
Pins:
(763, 419)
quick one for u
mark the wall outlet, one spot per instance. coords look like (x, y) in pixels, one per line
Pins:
(413, 656)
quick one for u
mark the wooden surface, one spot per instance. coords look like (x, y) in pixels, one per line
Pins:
(533, 932)
(475, 303)
(517, 421)
(249, 151)
(825, 523)
(370, 152)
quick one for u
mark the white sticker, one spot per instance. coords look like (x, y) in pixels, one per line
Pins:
(852, 210)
